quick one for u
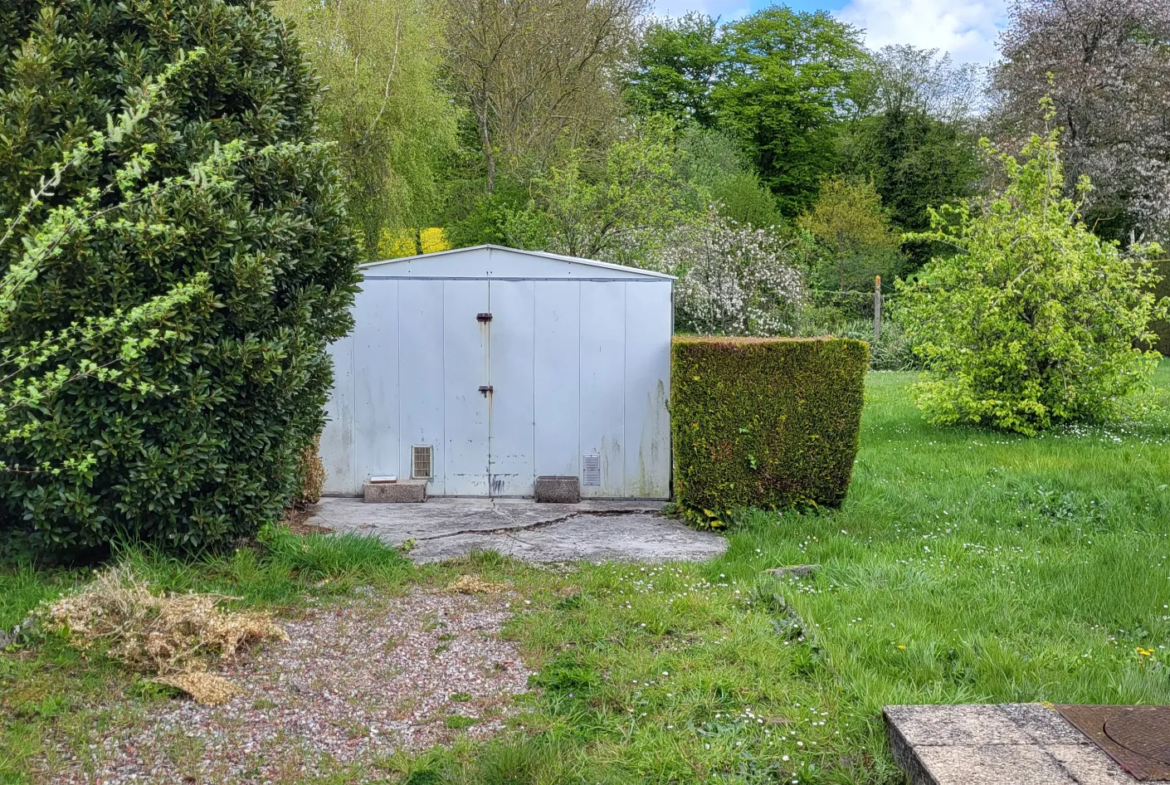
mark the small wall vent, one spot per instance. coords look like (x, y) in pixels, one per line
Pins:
(591, 470)
(422, 462)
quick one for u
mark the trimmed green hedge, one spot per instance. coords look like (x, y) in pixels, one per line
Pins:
(764, 422)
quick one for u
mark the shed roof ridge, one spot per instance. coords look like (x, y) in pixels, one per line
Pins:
(539, 254)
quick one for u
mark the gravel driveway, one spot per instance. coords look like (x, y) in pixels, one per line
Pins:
(355, 682)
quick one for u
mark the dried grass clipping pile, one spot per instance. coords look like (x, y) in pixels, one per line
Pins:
(206, 688)
(473, 584)
(169, 635)
(310, 475)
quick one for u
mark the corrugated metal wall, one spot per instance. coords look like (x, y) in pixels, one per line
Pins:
(576, 366)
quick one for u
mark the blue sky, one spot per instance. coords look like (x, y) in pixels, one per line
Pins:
(965, 28)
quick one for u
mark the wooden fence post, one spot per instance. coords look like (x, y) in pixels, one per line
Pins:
(877, 307)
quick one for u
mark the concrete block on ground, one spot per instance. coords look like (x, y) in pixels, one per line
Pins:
(401, 492)
(558, 490)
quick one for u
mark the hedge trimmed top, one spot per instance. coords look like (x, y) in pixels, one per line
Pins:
(765, 422)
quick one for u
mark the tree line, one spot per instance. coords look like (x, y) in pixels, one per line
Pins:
(586, 127)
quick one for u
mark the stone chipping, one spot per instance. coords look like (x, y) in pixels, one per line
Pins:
(356, 682)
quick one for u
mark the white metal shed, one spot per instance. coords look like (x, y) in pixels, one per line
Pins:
(483, 368)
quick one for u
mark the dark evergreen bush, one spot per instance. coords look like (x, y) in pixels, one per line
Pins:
(206, 448)
(764, 422)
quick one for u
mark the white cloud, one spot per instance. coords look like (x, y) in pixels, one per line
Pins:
(965, 28)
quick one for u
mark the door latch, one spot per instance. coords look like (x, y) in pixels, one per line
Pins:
(485, 389)
(483, 317)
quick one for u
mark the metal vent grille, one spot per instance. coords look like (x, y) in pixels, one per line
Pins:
(422, 462)
(591, 470)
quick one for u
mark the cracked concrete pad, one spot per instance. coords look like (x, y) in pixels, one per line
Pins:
(594, 530)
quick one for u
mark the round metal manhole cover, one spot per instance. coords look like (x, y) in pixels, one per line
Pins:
(1143, 729)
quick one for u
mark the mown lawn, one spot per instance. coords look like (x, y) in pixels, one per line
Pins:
(965, 566)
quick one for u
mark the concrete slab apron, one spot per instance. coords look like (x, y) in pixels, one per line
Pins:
(1009, 744)
(594, 530)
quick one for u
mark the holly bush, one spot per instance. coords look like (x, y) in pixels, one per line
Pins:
(1035, 321)
(171, 284)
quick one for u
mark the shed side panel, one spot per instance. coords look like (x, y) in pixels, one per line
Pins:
(603, 335)
(647, 389)
(337, 439)
(375, 374)
(420, 373)
(558, 378)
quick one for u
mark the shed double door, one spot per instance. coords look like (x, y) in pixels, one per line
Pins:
(489, 365)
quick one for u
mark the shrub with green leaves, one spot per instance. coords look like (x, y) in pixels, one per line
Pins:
(1161, 327)
(171, 285)
(764, 422)
(1036, 321)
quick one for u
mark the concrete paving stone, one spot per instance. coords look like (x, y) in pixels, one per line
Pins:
(1044, 724)
(954, 725)
(1009, 744)
(1088, 765)
(992, 764)
(593, 530)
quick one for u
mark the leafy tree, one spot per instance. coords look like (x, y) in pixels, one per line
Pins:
(169, 291)
(613, 210)
(1108, 61)
(785, 77)
(854, 236)
(383, 107)
(904, 78)
(1038, 321)
(532, 72)
(675, 69)
(912, 136)
(712, 162)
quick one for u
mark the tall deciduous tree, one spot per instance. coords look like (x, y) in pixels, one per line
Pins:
(712, 162)
(1109, 61)
(617, 209)
(785, 78)
(913, 135)
(393, 125)
(906, 79)
(537, 73)
(854, 235)
(676, 67)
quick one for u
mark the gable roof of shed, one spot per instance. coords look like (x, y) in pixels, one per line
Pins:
(380, 266)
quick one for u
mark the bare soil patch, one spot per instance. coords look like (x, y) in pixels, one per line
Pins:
(297, 520)
(355, 682)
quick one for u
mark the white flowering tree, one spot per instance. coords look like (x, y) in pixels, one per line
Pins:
(733, 279)
(1109, 66)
